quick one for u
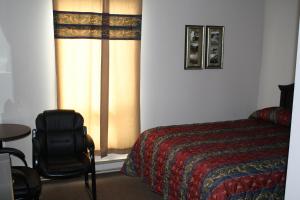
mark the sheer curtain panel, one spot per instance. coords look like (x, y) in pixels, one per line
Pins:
(97, 45)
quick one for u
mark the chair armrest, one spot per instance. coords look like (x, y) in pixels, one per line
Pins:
(89, 143)
(36, 151)
(91, 147)
(15, 152)
(36, 146)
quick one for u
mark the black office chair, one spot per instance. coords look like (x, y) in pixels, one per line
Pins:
(62, 148)
(26, 181)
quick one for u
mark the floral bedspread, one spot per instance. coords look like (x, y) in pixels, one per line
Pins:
(243, 159)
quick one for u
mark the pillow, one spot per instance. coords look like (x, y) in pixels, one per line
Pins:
(276, 115)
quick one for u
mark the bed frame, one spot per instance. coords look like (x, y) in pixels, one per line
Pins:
(287, 96)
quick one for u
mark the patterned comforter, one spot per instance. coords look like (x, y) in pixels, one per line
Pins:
(243, 159)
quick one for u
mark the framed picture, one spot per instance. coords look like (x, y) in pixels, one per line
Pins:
(214, 47)
(194, 47)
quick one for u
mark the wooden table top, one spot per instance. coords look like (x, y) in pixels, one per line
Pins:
(13, 131)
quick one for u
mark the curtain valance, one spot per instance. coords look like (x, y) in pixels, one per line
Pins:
(80, 25)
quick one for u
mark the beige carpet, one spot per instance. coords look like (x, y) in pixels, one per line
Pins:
(112, 186)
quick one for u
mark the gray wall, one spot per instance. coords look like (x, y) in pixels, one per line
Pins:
(27, 70)
(279, 49)
(172, 95)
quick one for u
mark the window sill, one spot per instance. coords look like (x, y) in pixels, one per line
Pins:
(110, 158)
(111, 163)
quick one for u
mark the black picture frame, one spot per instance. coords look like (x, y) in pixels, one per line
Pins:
(214, 47)
(194, 47)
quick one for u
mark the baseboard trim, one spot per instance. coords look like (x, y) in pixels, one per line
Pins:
(103, 167)
(108, 171)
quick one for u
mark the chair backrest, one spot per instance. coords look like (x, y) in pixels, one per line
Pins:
(60, 133)
(286, 96)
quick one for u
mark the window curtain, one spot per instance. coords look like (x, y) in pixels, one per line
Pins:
(97, 44)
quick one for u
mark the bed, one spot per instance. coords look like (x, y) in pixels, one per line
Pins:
(241, 159)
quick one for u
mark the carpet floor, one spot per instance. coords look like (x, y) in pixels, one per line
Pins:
(110, 186)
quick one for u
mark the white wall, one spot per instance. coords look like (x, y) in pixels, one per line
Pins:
(27, 70)
(172, 95)
(279, 49)
(293, 175)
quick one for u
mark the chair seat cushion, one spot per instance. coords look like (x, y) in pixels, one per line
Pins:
(32, 178)
(65, 166)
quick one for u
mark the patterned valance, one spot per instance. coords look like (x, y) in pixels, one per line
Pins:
(86, 25)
